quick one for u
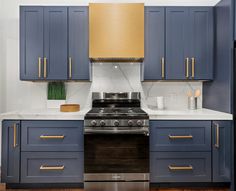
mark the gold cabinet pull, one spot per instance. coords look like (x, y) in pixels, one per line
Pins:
(193, 67)
(187, 65)
(162, 67)
(217, 128)
(180, 136)
(45, 167)
(70, 67)
(39, 67)
(14, 135)
(45, 67)
(52, 136)
(174, 168)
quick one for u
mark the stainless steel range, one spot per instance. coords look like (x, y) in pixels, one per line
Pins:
(116, 141)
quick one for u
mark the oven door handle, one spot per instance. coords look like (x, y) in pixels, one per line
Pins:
(141, 131)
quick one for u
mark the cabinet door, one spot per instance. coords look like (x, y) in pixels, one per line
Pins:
(221, 151)
(31, 43)
(201, 42)
(154, 68)
(10, 151)
(78, 43)
(55, 43)
(177, 43)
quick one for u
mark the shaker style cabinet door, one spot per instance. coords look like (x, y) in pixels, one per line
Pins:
(31, 43)
(10, 169)
(221, 156)
(201, 43)
(154, 62)
(78, 64)
(55, 43)
(177, 43)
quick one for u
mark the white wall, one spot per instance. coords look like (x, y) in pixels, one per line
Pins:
(17, 95)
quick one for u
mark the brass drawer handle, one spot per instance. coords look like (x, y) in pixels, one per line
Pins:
(70, 67)
(180, 136)
(187, 65)
(193, 67)
(39, 67)
(45, 167)
(52, 136)
(217, 127)
(162, 67)
(173, 168)
(45, 67)
(14, 136)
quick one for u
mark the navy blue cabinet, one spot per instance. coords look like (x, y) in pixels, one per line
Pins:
(201, 43)
(31, 43)
(54, 43)
(180, 136)
(177, 43)
(154, 68)
(10, 168)
(221, 151)
(52, 136)
(78, 43)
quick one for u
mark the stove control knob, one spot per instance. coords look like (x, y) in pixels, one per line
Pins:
(139, 123)
(93, 123)
(130, 123)
(102, 123)
(116, 123)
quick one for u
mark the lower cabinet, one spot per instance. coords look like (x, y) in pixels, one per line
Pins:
(190, 151)
(180, 167)
(52, 167)
(221, 151)
(10, 171)
(42, 151)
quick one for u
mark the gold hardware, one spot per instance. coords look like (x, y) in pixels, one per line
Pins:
(162, 67)
(14, 135)
(39, 67)
(180, 167)
(70, 67)
(106, 20)
(45, 67)
(180, 136)
(187, 63)
(42, 167)
(193, 67)
(217, 144)
(52, 136)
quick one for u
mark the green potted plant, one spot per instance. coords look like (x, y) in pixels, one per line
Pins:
(56, 94)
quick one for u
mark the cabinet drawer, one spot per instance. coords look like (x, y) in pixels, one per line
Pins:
(180, 167)
(52, 136)
(180, 135)
(51, 167)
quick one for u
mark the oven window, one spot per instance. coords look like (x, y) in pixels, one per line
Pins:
(116, 153)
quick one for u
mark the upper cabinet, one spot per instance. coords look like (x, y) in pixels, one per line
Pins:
(154, 43)
(47, 36)
(188, 44)
(31, 43)
(55, 43)
(78, 43)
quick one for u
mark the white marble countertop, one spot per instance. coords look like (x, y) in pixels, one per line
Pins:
(47, 114)
(199, 114)
(55, 114)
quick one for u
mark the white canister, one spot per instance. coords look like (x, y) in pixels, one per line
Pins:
(160, 102)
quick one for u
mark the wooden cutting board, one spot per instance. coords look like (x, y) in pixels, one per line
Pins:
(70, 108)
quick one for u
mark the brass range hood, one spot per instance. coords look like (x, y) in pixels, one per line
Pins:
(116, 32)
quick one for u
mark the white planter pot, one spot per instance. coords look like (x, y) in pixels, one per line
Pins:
(55, 104)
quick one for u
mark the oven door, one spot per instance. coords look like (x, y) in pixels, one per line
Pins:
(116, 157)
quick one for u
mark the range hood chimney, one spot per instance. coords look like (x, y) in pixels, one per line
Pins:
(116, 32)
